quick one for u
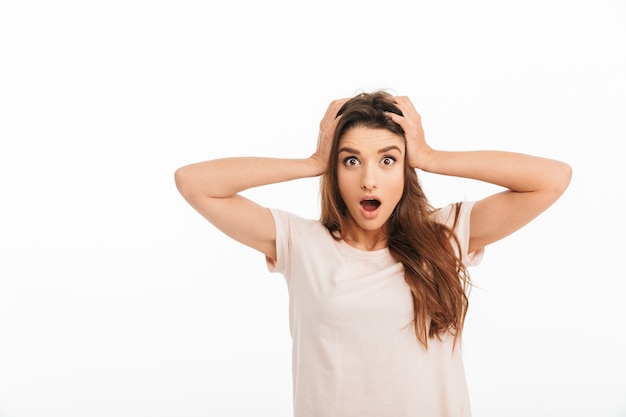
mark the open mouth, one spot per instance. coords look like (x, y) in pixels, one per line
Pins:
(370, 204)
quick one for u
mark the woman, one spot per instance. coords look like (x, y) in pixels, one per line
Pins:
(378, 286)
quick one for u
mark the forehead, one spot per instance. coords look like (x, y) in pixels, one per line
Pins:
(364, 138)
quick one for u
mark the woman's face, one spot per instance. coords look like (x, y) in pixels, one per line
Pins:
(370, 175)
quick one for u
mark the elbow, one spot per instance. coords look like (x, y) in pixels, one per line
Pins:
(558, 180)
(563, 177)
(182, 181)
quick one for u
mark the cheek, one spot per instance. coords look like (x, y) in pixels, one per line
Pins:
(344, 181)
(397, 185)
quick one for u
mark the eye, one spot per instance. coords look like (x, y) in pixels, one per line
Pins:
(351, 161)
(388, 160)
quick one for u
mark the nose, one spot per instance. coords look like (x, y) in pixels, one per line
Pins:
(368, 181)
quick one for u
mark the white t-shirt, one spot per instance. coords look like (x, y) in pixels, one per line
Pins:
(355, 352)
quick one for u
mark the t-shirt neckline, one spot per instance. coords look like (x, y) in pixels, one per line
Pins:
(348, 248)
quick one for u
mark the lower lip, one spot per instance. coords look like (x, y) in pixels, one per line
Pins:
(369, 214)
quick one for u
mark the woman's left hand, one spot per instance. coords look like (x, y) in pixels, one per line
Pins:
(417, 149)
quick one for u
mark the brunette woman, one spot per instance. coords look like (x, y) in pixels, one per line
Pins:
(377, 286)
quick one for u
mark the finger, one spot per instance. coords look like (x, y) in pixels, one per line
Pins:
(332, 110)
(337, 105)
(395, 117)
(406, 106)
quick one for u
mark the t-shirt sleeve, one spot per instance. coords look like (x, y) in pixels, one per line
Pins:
(283, 226)
(462, 231)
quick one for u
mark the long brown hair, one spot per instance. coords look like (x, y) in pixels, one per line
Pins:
(432, 268)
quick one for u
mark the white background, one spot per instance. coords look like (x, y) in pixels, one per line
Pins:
(116, 298)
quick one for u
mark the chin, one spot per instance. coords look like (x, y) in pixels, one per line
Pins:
(373, 224)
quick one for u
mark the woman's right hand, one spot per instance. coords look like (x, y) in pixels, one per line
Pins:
(325, 136)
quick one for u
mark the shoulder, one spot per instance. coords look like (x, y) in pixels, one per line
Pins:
(457, 217)
(291, 229)
(297, 238)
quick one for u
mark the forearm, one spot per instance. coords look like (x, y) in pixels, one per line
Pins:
(517, 172)
(229, 176)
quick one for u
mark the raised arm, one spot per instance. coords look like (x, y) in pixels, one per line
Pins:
(212, 188)
(532, 183)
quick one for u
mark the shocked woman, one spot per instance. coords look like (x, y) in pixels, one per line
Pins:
(377, 286)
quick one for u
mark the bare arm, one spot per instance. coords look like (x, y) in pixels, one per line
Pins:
(212, 188)
(533, 183)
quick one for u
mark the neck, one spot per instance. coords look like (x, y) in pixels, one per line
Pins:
(369, 240)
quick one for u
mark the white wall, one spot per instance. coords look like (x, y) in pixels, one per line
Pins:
(116, 298)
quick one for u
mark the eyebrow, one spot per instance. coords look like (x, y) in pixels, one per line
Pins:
(383, 150)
